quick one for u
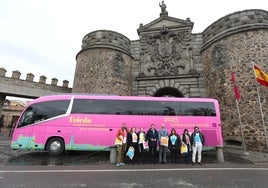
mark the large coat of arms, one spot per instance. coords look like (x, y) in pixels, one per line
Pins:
(165, 52)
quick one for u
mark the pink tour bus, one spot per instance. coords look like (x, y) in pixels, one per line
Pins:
(86, 122)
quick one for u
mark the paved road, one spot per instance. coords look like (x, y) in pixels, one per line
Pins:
(26, 158)
(83, 169)
(97, 176)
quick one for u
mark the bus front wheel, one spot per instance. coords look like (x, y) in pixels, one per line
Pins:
(55, 146)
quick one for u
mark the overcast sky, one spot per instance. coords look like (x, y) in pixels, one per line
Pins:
(43, 36)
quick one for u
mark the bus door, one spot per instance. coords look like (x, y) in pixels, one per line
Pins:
(22, 134)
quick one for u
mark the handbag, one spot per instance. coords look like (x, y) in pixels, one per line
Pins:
(145, 145)
(130, 152)
(184, 148)
(164, 141)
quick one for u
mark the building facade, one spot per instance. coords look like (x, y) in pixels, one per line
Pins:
(11, 112)
(170, 60)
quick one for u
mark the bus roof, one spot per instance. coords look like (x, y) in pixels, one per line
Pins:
(116, 97)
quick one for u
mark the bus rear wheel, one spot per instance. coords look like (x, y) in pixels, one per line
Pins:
(55, 146)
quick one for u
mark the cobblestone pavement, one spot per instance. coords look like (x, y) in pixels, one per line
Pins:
(232, 154)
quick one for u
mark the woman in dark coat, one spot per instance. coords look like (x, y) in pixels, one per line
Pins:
(174, 143)
(132, 141)
(141, 139)
(186, 140)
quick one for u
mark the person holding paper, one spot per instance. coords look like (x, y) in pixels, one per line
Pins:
(186, 141)
(197, 141)
(174, 143)
(163, 140)
(132, 141)
(142, 145)
(120, 142)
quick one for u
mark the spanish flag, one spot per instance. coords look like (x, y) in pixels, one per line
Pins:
(261, 76)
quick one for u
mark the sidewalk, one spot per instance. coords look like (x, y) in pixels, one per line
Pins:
(254, 157)
(231, 153)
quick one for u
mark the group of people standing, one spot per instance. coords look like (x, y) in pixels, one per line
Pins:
(137, 142)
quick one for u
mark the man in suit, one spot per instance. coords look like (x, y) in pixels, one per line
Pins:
(152, 137)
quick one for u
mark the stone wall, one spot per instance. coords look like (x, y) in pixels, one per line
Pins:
(16, 87)
(135, 52)
(186, 85)
(104, 64)
(30, 78)
(234, 23)
(97, 72)
(10, 85)
(236, 41)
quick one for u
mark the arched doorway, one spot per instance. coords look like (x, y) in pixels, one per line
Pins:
(168, 92)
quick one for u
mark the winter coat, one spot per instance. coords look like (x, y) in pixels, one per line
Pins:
(177, 143)
(152, 135)
(202, 138)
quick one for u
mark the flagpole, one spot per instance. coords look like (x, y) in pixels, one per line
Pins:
(241, 127)
(237, 97)
(262, 117)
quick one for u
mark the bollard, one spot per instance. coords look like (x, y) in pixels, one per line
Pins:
(220, 157)
(113, 154)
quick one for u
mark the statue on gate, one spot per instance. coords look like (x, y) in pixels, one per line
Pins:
(163, 7)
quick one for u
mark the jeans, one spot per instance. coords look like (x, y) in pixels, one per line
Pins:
(197, 149)
(162, 154)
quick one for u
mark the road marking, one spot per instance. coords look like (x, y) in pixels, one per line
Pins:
(131, 170)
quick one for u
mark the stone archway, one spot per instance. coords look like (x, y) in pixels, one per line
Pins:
(168, 92)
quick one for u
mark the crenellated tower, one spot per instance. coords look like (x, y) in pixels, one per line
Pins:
(104, 65)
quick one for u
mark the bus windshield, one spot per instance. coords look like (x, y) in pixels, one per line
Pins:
(42, 111)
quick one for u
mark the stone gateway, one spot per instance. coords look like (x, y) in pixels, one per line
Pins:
(170, 60)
